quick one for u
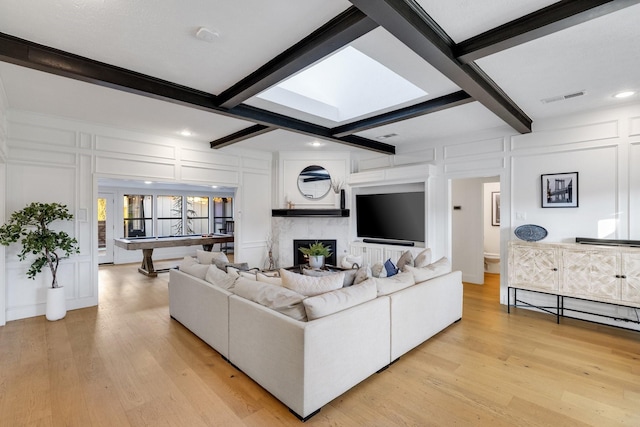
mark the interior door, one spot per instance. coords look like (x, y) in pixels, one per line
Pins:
(105, 227)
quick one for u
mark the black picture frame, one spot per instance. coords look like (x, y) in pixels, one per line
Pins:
(559, 190)
(495, 208)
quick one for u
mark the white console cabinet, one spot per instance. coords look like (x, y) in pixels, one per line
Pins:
(609, 274)
(373, 253)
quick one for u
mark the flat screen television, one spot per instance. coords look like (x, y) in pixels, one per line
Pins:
(391, 216)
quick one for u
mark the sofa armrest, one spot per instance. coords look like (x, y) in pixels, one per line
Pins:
(421, 311)
(202, 308)
(307, 364)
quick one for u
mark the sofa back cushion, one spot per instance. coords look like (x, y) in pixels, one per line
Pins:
(338, 300)
(275, 297)
(438, 268)
(389, 285)
(309, 285)
(270, 278)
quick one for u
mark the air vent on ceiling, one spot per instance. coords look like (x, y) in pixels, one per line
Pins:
(387, 136)
(563, 97)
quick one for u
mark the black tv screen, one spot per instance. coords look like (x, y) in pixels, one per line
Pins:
(392, 216)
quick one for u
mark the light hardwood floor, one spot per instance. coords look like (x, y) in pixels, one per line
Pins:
(127, 363)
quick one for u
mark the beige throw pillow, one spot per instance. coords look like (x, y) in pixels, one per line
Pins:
(277, 298)
(349, 275)
(338, 300)
(405, 259)
(206, 257)
(269, 278)
(190, 266)
(423, 258)
(217, 277)
(438, 268)
(311, 286)
(395, 283)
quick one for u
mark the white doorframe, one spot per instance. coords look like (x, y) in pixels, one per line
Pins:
(105, 255)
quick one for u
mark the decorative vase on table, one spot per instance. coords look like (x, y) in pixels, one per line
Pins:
(56, 304)
(316, 261)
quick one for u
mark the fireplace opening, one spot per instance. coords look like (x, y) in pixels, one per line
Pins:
(300, 259)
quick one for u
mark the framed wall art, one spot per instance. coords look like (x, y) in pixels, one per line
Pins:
(495, 208)
(560, 190)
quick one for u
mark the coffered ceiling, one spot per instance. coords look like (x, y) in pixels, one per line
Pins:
(484, 65)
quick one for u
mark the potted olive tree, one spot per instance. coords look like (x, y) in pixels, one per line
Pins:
(316, 253)
(31, 226)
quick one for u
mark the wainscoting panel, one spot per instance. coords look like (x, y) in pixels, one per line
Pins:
(110, 144)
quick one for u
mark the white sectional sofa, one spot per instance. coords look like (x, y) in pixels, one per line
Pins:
(306, 364)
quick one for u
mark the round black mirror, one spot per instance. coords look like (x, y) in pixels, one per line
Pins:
(314, 182)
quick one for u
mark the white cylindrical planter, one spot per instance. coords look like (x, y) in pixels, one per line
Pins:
(316, 261)
(56, 304)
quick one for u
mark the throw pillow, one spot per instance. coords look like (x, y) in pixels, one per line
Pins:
(251, 275)
(362, 274)
(378, 270)
(405, 259)
(390, 267)
(206, 257)
(277, 298)
(338, 300)
(423, 258)
(217, 277)
(389, 285)
(349, 275)
(438, 268)
(190, 266)
(310, 286)
(268, 278)
(349, 260)
(187, 261)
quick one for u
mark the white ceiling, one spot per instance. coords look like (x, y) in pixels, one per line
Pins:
(157, 38)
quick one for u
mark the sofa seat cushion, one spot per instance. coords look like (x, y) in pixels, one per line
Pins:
(309, 285)
(389, 285)
(332, 302)
(438, 268)
(275, 297)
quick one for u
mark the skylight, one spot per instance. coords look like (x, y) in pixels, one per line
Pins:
(343, 86)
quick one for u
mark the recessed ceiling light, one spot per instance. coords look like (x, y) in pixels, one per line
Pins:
(185, 132)
(316, 144)
(207, 35)
(387, 136)
(148, 182)
(624, 94)
(214, 186)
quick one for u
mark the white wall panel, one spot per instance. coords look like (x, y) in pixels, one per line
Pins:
(208, 175)
(253, 223)
(569, 135)
(34, 154)
(210, 157)
(42, 134)
(634, 126)
(135, 168)
(136, 147)
(470, 149)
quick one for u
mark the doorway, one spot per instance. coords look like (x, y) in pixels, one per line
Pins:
(105, 227)
(472, 223)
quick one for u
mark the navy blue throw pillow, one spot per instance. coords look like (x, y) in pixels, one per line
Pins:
(390, 267)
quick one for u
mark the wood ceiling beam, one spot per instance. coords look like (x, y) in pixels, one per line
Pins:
(553, 18)
(339, 32)
(241, 135)
(47, 59)
(410, 24)
(427, 107)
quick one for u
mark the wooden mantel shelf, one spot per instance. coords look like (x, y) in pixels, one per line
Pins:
(310, 212)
